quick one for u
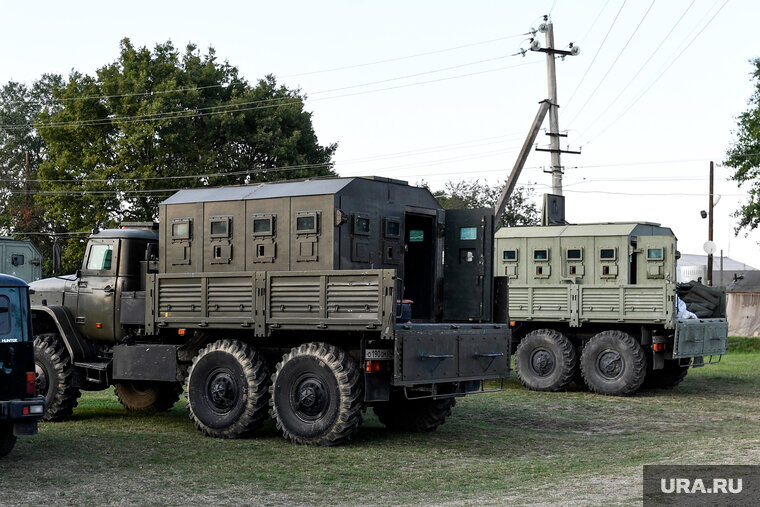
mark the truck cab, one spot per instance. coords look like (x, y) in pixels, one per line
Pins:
(20, 407)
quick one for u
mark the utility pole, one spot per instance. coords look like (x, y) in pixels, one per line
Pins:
(551, 73)
(710, 229)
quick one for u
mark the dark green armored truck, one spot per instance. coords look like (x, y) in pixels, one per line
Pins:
(20, 407)
(306, 301)
(598, 303)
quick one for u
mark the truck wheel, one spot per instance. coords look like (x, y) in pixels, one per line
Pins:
(7, 438)
(401, 414)
(147, 396)
(228, 389)
(613, 363)
(545, 360)
(667, 378)
(317, 395)
(55, 377)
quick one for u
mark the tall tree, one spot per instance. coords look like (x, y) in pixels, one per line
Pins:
(520, 210)
(22, 151)
(155, 121)
(744, 156)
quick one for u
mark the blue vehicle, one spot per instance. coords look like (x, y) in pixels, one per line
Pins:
(20, 407)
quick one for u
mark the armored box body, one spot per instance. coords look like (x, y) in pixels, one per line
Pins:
(20, 259)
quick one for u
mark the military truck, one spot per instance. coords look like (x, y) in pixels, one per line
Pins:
(20, 407)
(597, 303)
(306, 301)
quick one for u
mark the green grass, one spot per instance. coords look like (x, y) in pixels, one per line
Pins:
(513, 447)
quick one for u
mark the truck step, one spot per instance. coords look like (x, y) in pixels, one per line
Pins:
(96, 372)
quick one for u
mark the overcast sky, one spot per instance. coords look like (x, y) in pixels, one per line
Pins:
(429, 90)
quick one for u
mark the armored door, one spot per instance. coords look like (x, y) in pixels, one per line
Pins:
(468, 265)
(96, 303)
(656, 261)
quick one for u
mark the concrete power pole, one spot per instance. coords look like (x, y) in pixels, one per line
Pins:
(551, 72)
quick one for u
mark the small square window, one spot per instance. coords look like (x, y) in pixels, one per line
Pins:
(220, 227)
(608, 254)
(181, 228)
(572, 270)
(574, 254)
(361, 225)
(307, 222)
(392, 228)
(468, 233)
(541, 255)
(510, 255)
(655, 254)
(263, 225)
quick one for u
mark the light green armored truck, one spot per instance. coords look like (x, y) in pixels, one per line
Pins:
(597, 303)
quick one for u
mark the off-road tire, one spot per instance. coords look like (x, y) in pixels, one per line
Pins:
(148, 397)
(228, 389)
(317, 395)
(55, 377)
(667, 378)
(545, 360)
(7, 438)
(613, 364)
(413, 416)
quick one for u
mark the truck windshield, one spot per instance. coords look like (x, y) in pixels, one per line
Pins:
(100, 257)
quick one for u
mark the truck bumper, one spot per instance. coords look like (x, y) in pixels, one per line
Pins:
(24, 414)
(438, 353)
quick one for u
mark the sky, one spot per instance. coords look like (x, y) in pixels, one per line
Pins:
(438, 91)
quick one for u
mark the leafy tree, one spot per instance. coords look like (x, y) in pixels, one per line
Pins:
(22, 151)
(520, 210)
(744, 156)
(156, 121)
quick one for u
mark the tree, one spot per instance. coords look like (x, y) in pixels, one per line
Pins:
(22, 151)
(520, 210)
(744, 156)
(156, 121)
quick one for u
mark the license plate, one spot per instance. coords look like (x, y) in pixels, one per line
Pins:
(378, 354)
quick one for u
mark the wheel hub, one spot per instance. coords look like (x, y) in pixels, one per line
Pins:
(311, 398)
(41, 380)
(610, 364)
(222, 391)
(542, 362)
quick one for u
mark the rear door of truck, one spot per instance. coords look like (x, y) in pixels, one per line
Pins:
(468, 266)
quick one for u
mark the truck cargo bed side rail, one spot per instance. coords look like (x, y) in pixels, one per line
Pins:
(346, 300)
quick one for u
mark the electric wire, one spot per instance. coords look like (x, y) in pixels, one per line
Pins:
(606, 109)
(234, 108)
(636, 100)
(614, 62)
(578, 86)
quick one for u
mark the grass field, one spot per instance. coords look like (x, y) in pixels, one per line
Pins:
(515, 447)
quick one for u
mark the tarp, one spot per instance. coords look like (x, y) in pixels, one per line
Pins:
(743, 312)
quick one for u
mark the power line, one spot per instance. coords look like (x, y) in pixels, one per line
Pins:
(661, 74)
(239, 82)
(234, 108)
(597, 54)
(593, 93)
(606, 109)
(593, 24)
(396, 59)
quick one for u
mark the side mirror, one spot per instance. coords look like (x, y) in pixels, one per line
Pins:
(78, 273)
(56, 258)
